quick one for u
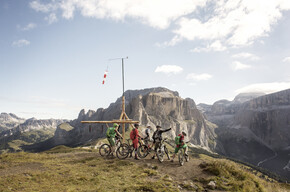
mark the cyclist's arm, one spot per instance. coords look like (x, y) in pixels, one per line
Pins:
(117, 132)
(163, 131)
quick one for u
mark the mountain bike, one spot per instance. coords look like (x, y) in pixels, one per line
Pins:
(182, 156)
(124, 150)
(161, 150)
(106, 149)
(144, 149)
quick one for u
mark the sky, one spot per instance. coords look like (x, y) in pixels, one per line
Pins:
(54, 53)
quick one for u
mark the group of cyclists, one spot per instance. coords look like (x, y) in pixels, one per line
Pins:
(152, 143)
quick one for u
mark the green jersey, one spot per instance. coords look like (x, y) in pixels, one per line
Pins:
(111, 132)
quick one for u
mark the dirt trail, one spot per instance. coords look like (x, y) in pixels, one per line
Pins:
(188, 171)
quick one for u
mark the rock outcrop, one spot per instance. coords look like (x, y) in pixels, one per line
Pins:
(156, 106)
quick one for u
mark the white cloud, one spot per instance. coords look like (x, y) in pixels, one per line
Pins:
(234, 22)
(45, 8)
(238, 23)
(236, 65)
(246, 56)
(198, 77)
(169, 69)
(265, 87)
(51, 18)
(286, 59)
(28, 27)
(215, 46)
(156, 13)
(20, 43)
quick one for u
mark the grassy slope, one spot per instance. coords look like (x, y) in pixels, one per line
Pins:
(69, 169)
(13, 143)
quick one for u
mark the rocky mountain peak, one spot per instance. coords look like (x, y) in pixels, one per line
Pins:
(9, 121)
(82, 113)
(154, 106)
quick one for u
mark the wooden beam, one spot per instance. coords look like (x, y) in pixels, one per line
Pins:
(113, 121)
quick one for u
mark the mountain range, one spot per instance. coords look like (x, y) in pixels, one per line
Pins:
(16, 132)
(253, 128)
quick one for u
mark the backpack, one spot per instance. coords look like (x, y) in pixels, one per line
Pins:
(132, 134)
(177, 140)
(110, 132)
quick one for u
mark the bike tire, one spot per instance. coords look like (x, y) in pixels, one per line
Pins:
(143, 151)
(160, 155)
(123, 151)
(167, 153)
(105, 150)
(181, 157)
(186, 157)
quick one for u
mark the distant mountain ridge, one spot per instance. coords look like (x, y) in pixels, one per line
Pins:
(9, 121)
(18, 131)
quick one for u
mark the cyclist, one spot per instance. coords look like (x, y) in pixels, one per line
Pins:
(147, 133)
(157, 138)
(179, 141)
(111, 134)
(134, 136)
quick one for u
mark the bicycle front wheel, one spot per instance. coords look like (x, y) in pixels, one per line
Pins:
(105, 150)
(123, 151)
(167, 152)
(181, 157)
(143, 151)
(160, 155)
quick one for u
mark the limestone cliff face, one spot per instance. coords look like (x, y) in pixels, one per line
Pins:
(255, 130)
(156, 106)
(268, 117)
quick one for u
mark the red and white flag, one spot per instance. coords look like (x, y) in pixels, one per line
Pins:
(105, 75)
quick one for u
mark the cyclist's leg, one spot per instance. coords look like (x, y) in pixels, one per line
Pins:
(135, 145)
(175, 152)
(185, 148)
(157, 143)
(112, 144)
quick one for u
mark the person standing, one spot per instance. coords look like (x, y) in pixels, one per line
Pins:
(134, 136)
(147, 135)
(157, 138)
(179, 141)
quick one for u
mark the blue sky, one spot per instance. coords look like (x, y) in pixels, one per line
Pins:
(53, 53)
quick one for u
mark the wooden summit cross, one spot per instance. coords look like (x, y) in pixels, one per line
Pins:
(124, 119)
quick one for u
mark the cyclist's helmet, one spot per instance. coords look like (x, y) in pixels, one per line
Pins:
(158, 126)
(115, 125)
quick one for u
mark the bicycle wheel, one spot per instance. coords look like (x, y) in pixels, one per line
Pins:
(181, 157)
(105, 150)
(167, 153)
(186, 157)
(123, 151)
(142, 151)
(160, 155)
